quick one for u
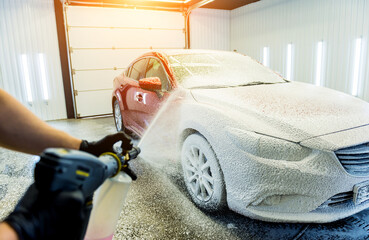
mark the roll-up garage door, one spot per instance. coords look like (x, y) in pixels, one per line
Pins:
(103, 41)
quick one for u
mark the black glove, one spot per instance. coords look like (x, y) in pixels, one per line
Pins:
(129, 172)
(106, 144)
(50, 215)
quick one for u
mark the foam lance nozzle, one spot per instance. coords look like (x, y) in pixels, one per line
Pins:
(132, 154)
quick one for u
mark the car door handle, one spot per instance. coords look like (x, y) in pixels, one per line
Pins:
(140, 97)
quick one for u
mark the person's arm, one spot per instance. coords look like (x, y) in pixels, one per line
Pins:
(21, 130)
(7, 232)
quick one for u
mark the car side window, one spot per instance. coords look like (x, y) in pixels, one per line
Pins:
(155, 69)
(136, 69)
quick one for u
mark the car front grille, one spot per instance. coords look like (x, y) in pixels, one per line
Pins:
(340, 198)
(355, 159)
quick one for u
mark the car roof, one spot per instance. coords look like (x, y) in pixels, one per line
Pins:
(164, 54)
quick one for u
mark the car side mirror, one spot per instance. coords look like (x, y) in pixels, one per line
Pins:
(150, 84)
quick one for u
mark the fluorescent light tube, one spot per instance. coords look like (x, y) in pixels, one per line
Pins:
(266, 56)
(355, 84)
(42, 64)
(289, 61)
(27, 77)
(319, 62)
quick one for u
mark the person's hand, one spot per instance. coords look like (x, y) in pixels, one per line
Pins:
(106, 144)
(49, 215)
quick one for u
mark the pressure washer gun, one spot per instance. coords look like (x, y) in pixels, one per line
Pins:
(62, 169)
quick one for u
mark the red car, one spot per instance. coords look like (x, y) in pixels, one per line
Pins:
(265, 147)
(139, 91)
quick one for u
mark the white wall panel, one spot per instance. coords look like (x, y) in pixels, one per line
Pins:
(210, 29)
(28, 28)
(123, 38)
(123, 18)
(104, 41)
(91, 102)
(276, 23)
(365, 83)
(96, 59)
(92, 80)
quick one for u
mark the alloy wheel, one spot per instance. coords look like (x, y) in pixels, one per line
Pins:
(117, 116)
(198, 174)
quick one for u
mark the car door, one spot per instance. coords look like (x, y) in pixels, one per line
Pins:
(129, 92)
(150, 101)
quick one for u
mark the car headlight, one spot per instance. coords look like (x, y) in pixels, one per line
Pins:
(267, 147)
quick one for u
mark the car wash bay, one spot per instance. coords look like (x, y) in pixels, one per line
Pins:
(103, 37)
(158, 206)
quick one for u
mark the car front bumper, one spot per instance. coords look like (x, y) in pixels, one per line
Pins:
(287, 191)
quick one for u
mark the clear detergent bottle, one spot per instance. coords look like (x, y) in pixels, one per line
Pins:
(108, 203)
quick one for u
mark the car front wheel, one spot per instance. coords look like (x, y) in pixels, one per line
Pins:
(202, 174)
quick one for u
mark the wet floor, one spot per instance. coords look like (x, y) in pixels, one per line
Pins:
(158, 207)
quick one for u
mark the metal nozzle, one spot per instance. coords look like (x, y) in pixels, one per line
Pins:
(132, 154)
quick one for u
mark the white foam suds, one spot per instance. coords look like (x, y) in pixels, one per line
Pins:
(254, 132)
(159, 142)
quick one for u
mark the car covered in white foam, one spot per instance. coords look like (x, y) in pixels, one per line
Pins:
(265, 147)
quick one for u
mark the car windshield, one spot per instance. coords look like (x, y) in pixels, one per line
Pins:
(220, 69)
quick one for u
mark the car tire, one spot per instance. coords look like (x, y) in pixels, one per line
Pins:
(118, 116)
(202, 174)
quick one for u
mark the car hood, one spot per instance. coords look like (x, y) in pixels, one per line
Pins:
(292, 111)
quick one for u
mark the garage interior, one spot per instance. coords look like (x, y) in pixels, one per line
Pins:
(59, 59)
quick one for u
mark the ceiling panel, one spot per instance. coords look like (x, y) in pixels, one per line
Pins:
(228, 4)
(162, 4)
